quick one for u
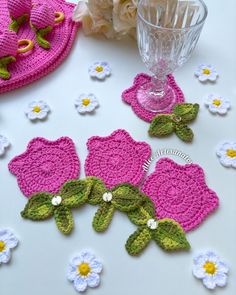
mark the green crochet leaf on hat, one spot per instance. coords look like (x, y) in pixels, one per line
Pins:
(187, 111)
(39, 207)
(170, 236)
(40, 37)
(16, 23)
(64, 219)
(138, 241)
(75, 193)
(97, 190)
(103, 217)
(4, 61)
(126, 197)
(141, 215)
(184, 133)
(161, 125)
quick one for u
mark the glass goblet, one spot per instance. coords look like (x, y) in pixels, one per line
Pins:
(167, 33)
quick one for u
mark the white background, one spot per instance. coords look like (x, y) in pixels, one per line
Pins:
(40, 261)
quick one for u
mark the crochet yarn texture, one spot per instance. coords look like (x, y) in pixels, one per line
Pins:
(130, 96)
(40, 62)
(46, 165)
(180, 192)
(117, 158)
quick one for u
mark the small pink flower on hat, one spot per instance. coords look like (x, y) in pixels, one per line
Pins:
(8, 241)
(86, 103)
(4, 144)
(227, 153)
(217, 104)
(37, 110)
(211, 269)
(84, 270)
(99, 70)
(206, 72)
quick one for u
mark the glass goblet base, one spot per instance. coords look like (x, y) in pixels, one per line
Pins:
(155, 101)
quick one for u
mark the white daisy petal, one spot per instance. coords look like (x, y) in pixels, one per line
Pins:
(5, 256)
(209, 282)
(225, 161)
(198, 271)
(42, 115)
(71, 273)
(93, 280)
(221, 279)
(80, 284)
(96, 266)
(211, 256)
(32, 115)
(77, 260)
(202, 78)
(11, 242)
(87, 256)
(222, 267)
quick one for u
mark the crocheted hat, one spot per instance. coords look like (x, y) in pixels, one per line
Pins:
(39, 62)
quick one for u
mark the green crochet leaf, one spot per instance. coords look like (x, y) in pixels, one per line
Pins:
(64, 219)
(103, 217)
(141, 215)
(75, 193)
(126, 197)
(161, 125)
(184, 133)
(187, 111)
(170, 236)
(138, 241)
(16, 23)
(40, 37)
(39, 207)
(4, 61)
(96, 191)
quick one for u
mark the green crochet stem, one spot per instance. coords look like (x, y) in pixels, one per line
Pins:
(40, 37)
(126, 198)
(16, 23)
(4, 62)
(164, 125)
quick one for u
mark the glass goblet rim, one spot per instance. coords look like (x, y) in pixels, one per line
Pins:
(174, 29)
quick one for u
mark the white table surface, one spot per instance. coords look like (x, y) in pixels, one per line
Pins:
(40, 261)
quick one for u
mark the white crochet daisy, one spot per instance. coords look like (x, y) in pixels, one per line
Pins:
(86, 103)
(4, 144)
(217, 104)
(206, 72)
(227, 153)
(211, 269)
(37, 110)
(8, 241)
(99, 70)
(84, 270)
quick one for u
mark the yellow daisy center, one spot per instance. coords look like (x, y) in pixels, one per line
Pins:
(2, 246)
(99, 69)
(210, 268)
(84, 269)
(36, 109)
(86, 102)
(206, 72)
(217, 102)
(231, 153)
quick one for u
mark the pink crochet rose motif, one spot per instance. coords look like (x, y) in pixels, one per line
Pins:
(117, 158)
(180, 192)
(46, 165)
(130, 96)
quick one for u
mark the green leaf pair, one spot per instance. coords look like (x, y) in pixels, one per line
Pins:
(42, 206)
(164, 125)
(167, 233)
(17, 23)
(123, 197)
(4, 61)
(40, 37)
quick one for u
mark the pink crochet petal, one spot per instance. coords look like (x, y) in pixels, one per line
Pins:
(46, 165)
(42, 16)
(8, 43)
(18, 7)
(117, 158)
(180, 192)
(130, 96)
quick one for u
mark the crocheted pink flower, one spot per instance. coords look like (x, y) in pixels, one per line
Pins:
(42, 16)
(8, 43)
(180, 193)
(46, 165)
(18, 7)
(130, 96)
(117, 158)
